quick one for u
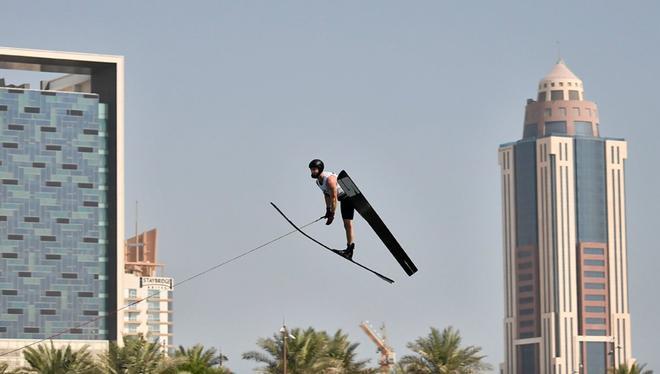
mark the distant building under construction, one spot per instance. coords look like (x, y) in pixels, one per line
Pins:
(151, 318)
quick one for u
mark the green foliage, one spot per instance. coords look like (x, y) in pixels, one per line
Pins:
(342, 351)
(633, 369)
(309, 351)
(50, 360)
(137, 356)
(197, 360)
(441, 353)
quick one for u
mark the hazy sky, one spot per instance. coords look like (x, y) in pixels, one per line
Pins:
(226, 103)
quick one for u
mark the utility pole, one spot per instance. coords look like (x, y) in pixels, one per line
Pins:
(285, 335)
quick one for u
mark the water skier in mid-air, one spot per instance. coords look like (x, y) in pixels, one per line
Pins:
(333, 193)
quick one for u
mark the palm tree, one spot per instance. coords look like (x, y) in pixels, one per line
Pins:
(137, 356)
(634, 369)
(342, 351)
(309, 351)
(51, 360)
(304, 353)
(197, 360)
(441, 353)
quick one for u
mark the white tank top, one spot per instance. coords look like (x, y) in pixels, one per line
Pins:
(323, 185)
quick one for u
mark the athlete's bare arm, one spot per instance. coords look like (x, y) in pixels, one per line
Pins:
(332, 186)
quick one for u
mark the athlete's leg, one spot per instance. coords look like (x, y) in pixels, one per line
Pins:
(348, 226)
(347, 213)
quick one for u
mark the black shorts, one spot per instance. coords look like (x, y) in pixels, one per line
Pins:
(347, 209)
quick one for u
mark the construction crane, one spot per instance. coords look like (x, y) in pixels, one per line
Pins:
(387, 355)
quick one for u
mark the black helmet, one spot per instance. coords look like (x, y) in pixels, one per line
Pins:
(316, 163)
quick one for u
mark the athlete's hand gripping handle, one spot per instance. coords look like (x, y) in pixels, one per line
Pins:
(329, 216)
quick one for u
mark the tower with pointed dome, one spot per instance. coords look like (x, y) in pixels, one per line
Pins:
(564, 237)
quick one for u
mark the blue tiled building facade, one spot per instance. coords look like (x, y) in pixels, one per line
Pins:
(54, 272)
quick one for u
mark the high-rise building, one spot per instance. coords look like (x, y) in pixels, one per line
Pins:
(564, 237)
(152, 317)
(61, 203)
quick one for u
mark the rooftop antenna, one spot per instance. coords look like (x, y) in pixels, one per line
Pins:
(137, 246)
(136, 243)
(558, 51)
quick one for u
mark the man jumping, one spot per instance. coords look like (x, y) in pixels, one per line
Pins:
(332, 192)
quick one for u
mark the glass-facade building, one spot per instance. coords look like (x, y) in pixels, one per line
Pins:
(564, 226)
(61, 201)
(54, 158)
